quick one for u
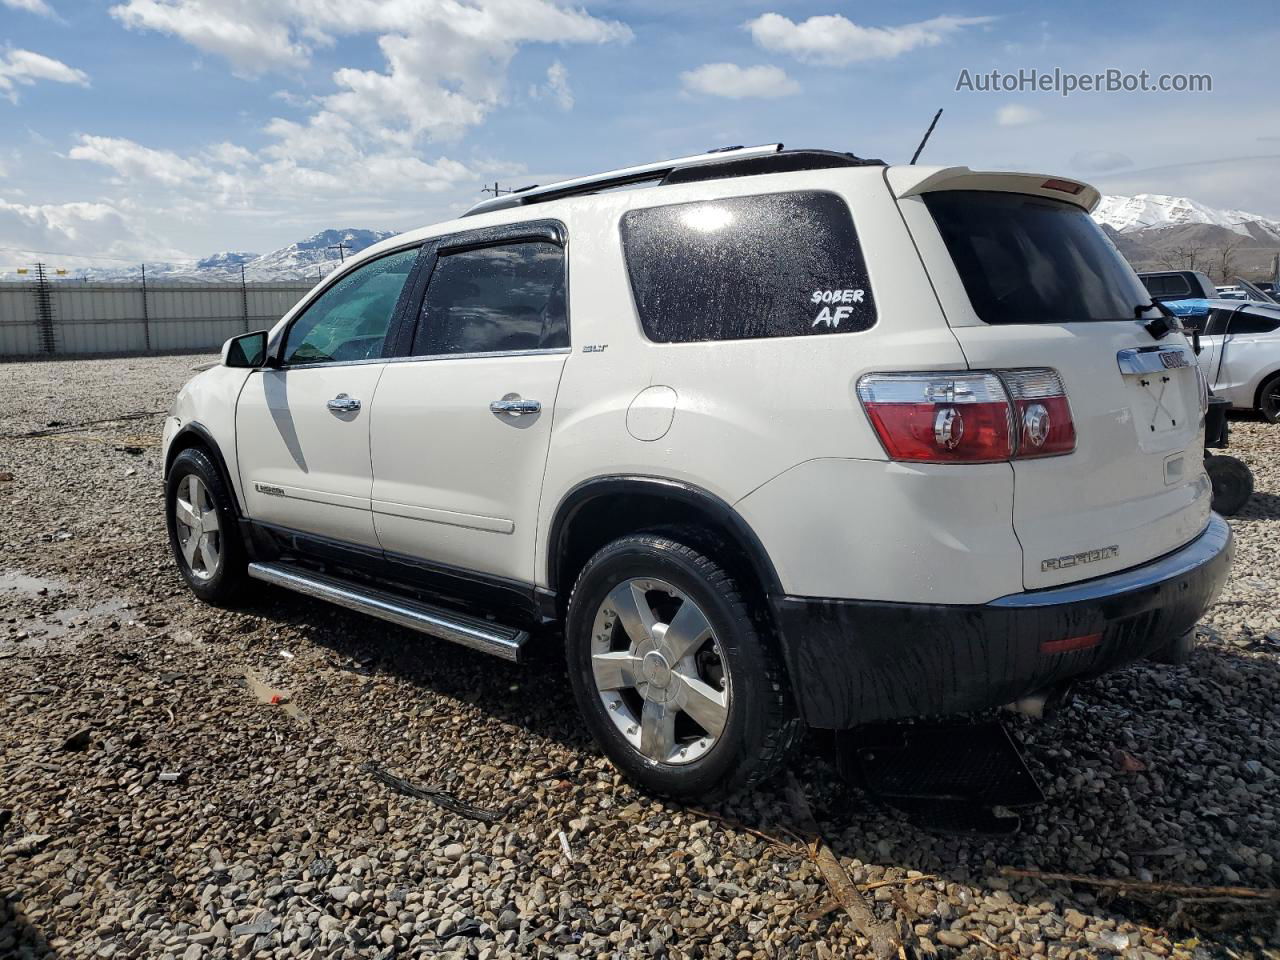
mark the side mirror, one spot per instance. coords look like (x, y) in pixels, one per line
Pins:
(249, 350)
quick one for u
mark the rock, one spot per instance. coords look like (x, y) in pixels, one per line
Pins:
(453, 852)
(1075, 919)
(508, 920)
(952, 938)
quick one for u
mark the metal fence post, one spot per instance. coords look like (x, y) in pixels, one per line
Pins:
(244, 299)
(146, 315)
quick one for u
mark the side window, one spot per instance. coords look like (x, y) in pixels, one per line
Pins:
(1157, 286)
(508, 296)
(776, 265)
(1216, 325)
(349, 321)
(1247, 321)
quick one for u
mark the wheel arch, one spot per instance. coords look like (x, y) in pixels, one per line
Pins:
(196, 434)
(600, 510)
(1262, 382)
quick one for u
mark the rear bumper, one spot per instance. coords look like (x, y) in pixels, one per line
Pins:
(854, 662)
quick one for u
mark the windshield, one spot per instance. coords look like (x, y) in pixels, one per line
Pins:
(1026, 259)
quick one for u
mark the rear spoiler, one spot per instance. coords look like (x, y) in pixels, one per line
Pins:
(912, 181)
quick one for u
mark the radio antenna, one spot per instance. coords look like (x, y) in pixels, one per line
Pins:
(916, 156)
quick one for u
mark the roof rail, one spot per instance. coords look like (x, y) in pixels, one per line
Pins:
(643, 173)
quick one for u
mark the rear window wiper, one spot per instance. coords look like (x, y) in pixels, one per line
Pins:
(1161, 326)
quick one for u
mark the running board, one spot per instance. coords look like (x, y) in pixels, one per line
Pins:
(501, 641)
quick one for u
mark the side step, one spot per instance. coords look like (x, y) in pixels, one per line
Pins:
(494, 638)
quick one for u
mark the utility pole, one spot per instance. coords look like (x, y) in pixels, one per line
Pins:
(341, 247)
(146, 315)
(244, 299)
(496, 189)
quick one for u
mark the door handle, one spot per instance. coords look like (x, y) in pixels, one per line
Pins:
(513, 406)
(343, 404)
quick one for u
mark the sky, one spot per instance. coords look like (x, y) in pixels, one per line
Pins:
(172, 129)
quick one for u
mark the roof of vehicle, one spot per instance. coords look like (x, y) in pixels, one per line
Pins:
(717, 164)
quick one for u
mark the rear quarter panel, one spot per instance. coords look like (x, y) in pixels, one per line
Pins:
(745, 411)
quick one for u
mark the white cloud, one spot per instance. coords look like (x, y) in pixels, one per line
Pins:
(834, 40)
(70, 229)
(557, 87)
(134, 161)
(252, 36)
(1016, 115)
(736, 83)
(25, 67)
(31, 6)
(445, 61)
(303, 160)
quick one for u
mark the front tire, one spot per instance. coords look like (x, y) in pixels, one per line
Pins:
(674, 679)
(203, 531)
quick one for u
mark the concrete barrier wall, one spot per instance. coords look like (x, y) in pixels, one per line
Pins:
(92, 318)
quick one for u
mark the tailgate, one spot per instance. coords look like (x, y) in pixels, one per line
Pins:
(1027, 279)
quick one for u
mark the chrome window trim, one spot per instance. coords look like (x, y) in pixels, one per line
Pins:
(543, 351)
(1210, 543)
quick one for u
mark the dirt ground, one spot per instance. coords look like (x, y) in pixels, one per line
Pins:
(163, 805)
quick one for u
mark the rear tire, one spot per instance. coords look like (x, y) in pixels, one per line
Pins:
(1232, 483)
(1269, 400)
(675, 682)
(204, 534)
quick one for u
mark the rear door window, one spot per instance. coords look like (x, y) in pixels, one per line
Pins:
(776, 265)
(494, 299)
(1255, 321)
(1026, 259)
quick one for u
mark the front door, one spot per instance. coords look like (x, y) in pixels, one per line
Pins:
(460, 435)
(302, 428)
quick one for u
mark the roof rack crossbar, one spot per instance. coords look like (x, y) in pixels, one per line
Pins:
(627, 176)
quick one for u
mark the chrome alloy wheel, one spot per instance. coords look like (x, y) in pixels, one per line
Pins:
(199, 535)
(659, 671)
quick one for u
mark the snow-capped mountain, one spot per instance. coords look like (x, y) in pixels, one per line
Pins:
(1148, 211)
(307, 259)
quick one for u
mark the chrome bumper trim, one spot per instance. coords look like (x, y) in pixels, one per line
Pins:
(1214, 540)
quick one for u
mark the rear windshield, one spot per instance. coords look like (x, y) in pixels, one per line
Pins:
(774, 265)
(1028, 259)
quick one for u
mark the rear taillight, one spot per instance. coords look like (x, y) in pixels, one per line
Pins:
(969, 417)
(1041, 411)
(939, 417)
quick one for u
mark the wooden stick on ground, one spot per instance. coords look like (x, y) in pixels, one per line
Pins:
(1136, 886)
(885, 944)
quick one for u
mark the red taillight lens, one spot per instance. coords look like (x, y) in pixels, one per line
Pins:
(969, 417)
(1041, 411)
(939, 417)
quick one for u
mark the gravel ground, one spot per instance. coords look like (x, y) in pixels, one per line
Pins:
(163, 806)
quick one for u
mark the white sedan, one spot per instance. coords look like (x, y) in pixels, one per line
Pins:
(1240, 350)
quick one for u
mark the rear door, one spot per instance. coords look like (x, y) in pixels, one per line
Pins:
(1027, 279)
(461, 430)
(1248, 351)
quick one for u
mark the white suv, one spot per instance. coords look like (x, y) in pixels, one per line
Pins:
(779, 438)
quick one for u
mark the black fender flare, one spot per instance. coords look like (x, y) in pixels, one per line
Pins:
(197, 430)
(685, 493)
